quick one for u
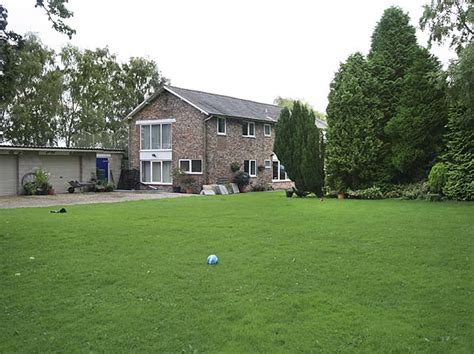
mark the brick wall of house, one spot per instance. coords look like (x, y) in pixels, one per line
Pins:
(188, 141)
(233, 147)
(187, 134)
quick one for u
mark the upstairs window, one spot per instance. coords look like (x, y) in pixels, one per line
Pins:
(221, 126)
(250, 166)
(191, 166)
(248, 129)
(267, 130)
(155, 137)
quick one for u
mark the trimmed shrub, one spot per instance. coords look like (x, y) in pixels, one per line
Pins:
(438, 177)
(242, 179)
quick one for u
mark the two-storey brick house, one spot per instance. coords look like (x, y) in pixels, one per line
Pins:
(203, 134)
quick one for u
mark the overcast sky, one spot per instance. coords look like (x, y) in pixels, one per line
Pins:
(254, 49)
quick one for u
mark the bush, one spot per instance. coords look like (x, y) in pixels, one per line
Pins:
(261, 187)
(418, 190)
(438, 177)
(242, 179)
(368, 193)
(109, 187)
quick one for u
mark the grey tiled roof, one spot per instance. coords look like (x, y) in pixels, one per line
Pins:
(228, 106)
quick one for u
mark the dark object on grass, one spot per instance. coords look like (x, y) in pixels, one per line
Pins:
(300, 194)
(60, 211)
(289, 193)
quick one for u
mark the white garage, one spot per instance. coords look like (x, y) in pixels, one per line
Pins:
(62, 164)
(8, 175)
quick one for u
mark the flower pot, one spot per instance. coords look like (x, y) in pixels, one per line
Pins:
(176, 189)
(189, 190)
(51, 191)
(340, 196)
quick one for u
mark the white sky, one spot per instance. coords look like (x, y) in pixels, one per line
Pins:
(254, 49)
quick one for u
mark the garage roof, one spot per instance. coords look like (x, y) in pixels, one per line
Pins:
(59, 148)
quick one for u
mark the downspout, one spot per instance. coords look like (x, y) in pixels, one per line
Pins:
(204, 128)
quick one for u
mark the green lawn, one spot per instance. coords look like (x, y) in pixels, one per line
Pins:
(294, 275)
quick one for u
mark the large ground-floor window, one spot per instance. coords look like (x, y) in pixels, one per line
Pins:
(279, 173)
(155, 171)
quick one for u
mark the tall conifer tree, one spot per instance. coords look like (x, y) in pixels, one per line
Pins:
(353, 146)
(298, 145)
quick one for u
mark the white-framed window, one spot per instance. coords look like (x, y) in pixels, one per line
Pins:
(221, 126)
(193, 167)
(155, 136)
(279, 173)
(267, 163)
(267, 130)
(155, 172)
(250, 166)
(248, 129)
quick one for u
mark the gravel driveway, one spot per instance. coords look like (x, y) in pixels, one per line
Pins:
(82, 198)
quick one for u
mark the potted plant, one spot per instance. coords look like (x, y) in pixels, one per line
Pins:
(242, 179)
(183, 180)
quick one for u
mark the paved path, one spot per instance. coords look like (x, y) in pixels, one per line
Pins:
(32, 201)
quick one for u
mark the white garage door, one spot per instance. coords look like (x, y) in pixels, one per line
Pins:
(8, 175)
(62, 169)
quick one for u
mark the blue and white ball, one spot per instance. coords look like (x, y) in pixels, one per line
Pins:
(212, 259)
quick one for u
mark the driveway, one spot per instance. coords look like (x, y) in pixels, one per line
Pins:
(82, 198)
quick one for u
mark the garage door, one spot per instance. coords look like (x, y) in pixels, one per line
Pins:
(62, 169)
(8, 175)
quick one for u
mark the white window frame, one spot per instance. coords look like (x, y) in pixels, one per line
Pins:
(161, 136)
(248, 129)
(225, 126)
(278, 179)
(269, 164)
(191, 166)
(250, 167)
(151, 172)
(270, 129)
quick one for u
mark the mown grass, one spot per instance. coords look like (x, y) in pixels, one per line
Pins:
(294, 275)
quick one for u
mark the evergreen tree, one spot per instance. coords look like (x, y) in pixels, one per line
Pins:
(352, 144)
(416, 132)
(299, 147)
(460, 138)
(393, 50)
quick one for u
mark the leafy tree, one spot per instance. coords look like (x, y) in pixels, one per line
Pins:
(30, 117)
(449, 19)
(299, 147)
(416, 132)
(460, 138)
(392, 53)
(87, 99)
(99, 92)
(56, 11)
(353, 147)
(136, 79)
